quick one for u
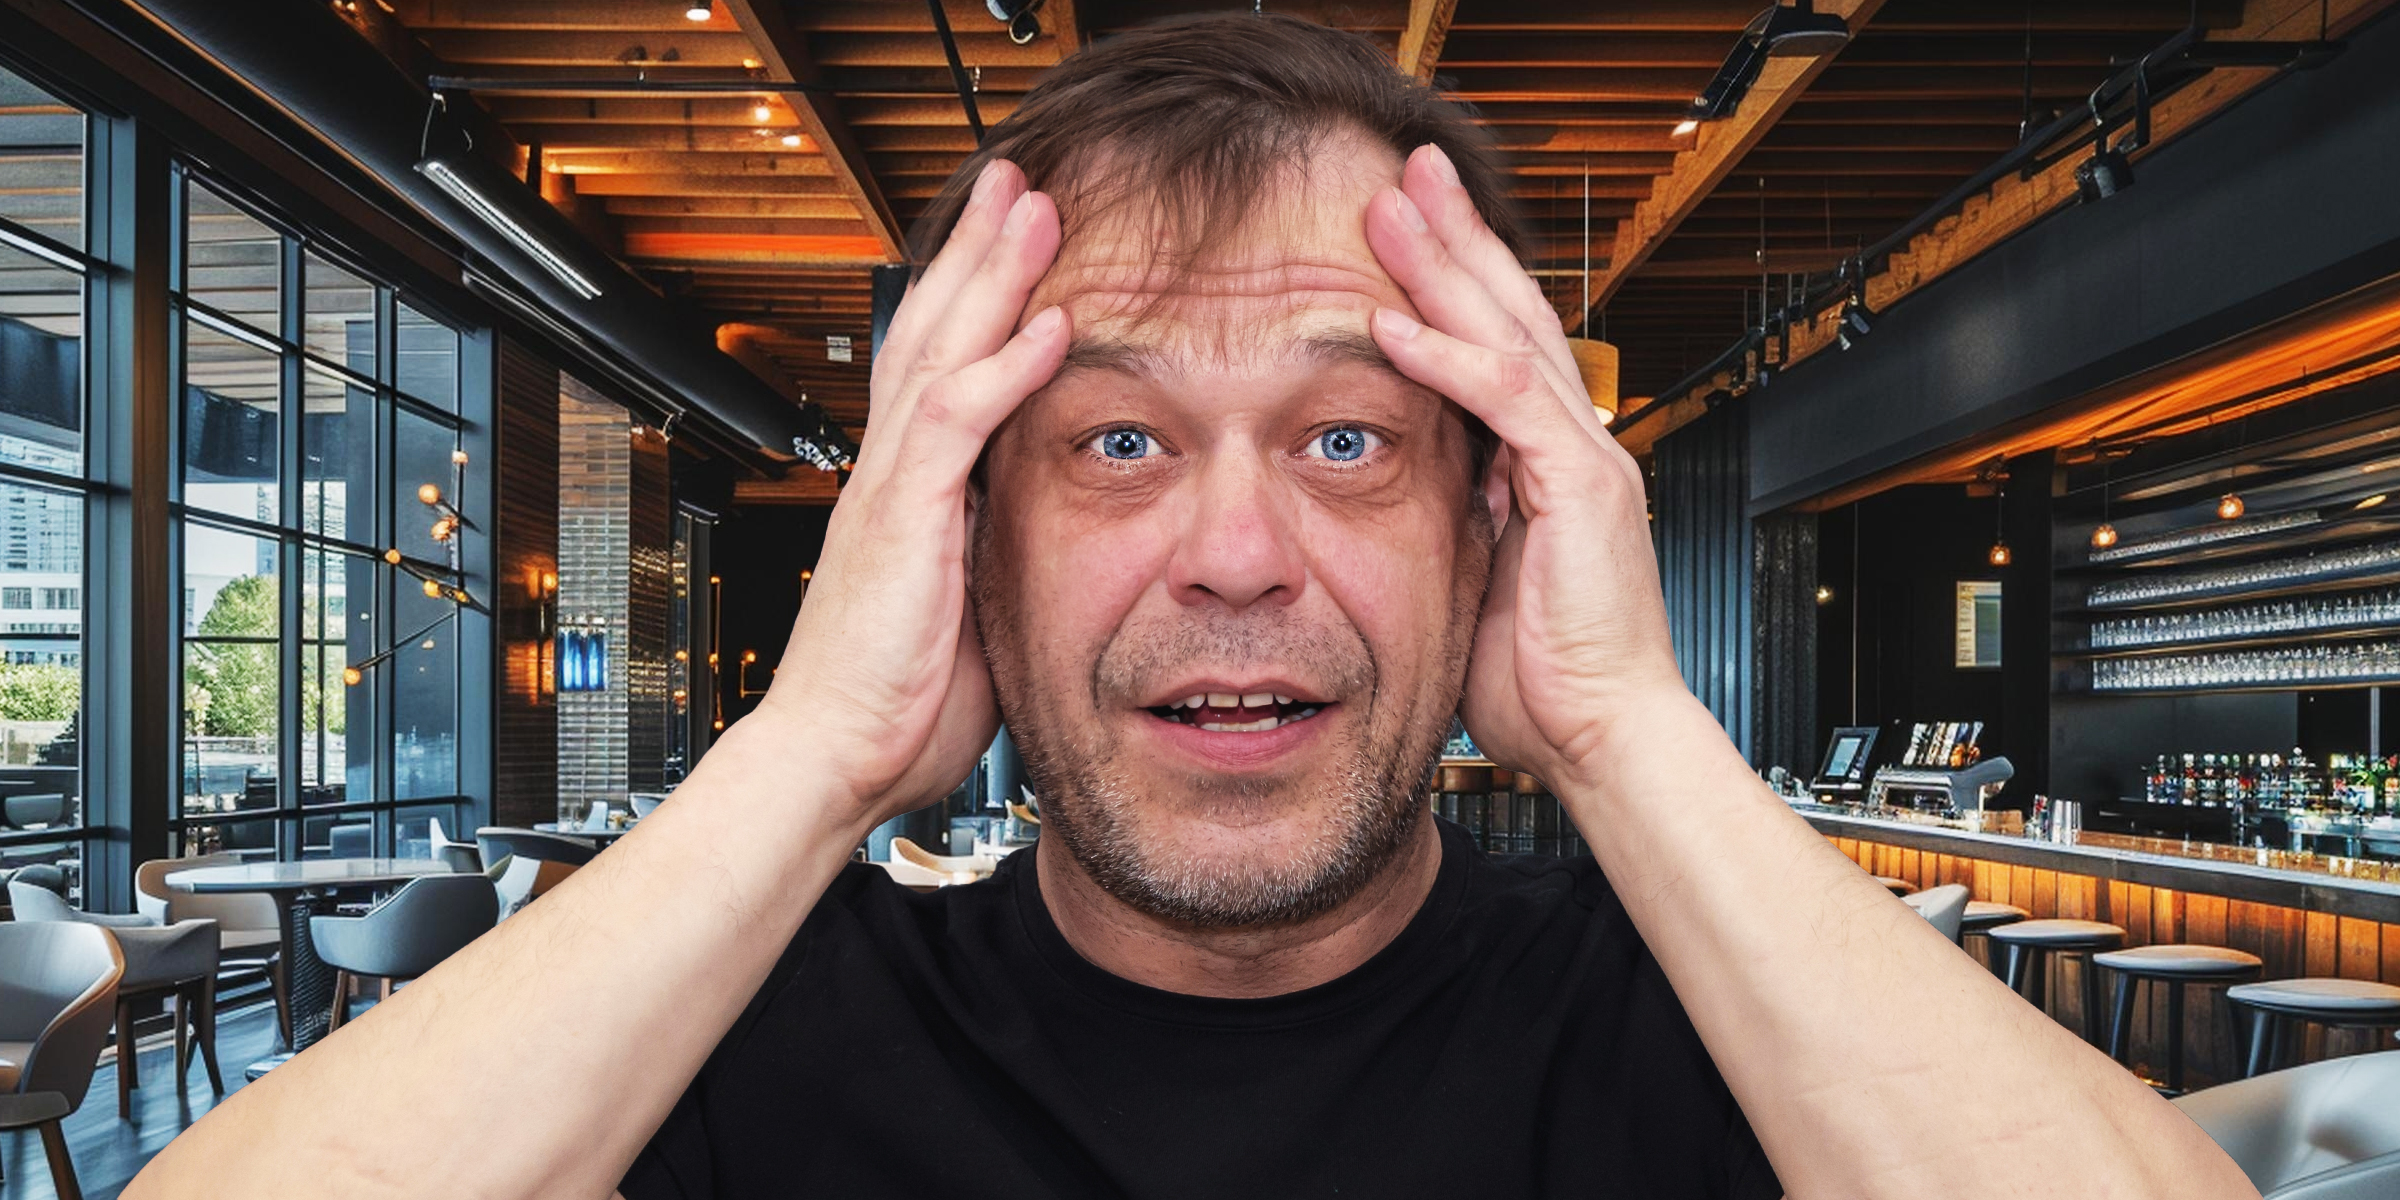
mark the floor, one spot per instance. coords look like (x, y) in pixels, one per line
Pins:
(107, 1150)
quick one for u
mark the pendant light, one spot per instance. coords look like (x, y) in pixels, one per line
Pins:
(1999, 555)
(2230, 506)
(2104, 534)
(1595, 360)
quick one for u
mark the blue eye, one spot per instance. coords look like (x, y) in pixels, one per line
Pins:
(1343, 445)
(1124, 443)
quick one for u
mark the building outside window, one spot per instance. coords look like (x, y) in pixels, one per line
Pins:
(44, 281)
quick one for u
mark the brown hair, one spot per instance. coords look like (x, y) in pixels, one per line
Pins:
(1196, 117)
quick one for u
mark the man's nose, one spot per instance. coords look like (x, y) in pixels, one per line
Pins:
(1240, 545)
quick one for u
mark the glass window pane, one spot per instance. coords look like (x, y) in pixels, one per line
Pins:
(41, 653)
(337, 722)
(412, 829)
(338, 316)
(337, 432)
(41, 360)
(428, 360)
(232, 262)
(230, 419)
(253, 838)
(232, 682)
(41, 160)
(421, 456)
(424, 696)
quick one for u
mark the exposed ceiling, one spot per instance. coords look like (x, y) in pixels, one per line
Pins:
(768, 208)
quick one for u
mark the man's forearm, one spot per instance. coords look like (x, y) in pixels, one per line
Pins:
(540, 1059)
(1871, 1056)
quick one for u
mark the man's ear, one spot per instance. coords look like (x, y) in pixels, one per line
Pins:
(1496, 493)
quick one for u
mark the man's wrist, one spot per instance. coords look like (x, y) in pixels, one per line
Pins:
(1630, 743)
(802, 789)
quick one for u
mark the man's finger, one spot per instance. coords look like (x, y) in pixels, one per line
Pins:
(1511, 393)
(1431, 180)
(984, 310)
(957, 413)
(978, 227)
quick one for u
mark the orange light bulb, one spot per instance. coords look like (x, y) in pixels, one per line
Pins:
(2104, 536)
(429, 493)
(351, 675)
(1999, 556)
(2230, 506)
(433, 590)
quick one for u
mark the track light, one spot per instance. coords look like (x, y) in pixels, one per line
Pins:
(453, 184)
(1018, 15)
(1802, 30)
(2104, 174)
(699, 10)
(2230, 506)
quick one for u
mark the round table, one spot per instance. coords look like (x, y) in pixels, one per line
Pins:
(300, 889)
(597, 836)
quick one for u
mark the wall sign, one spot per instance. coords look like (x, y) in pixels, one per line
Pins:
(1978, 645)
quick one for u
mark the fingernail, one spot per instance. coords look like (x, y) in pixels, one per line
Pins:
(1442, 166)
(1044, 323)
(1393, 323)
(1408, 210)
(983, 183)
(1018, 214)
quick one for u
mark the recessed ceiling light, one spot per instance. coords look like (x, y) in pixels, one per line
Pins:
(699, 10)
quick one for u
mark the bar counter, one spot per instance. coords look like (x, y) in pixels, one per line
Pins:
(2303, 914)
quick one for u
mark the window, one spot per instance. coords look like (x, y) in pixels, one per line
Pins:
(44, 279)
(320, 678)
(62, 597)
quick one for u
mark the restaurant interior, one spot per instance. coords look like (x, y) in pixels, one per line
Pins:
(2015, 383)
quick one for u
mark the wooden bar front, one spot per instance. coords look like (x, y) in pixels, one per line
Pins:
(2293, 941)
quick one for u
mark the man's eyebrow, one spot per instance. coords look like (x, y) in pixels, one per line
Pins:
(1113, 354)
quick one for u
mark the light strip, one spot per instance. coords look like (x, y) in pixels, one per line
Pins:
(457, 188)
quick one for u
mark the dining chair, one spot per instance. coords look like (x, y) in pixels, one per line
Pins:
(408, 934)
(58, 985)
(351, 841)
(496, 842)
(458, 856)
(2316, 1130)
(175, 963)
(249, 924)
(1944, 906)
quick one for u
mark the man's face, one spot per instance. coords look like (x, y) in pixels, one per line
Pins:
(1227, 495)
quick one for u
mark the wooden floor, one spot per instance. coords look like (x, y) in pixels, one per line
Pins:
(108, 1151)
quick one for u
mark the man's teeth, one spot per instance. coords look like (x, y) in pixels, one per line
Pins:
(1265, 704)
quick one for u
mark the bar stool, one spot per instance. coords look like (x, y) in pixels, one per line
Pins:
(2278, 1004)
(2033, 944)
(1982, 917)
(1898, 886)
(2172, 966)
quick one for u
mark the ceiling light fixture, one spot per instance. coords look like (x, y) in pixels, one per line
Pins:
(1857, 320)
(762, 112)
(699, 10)
(2104, 534)
(1595, 360)
(2230, 506)
(1018, 15)
(455, 185)
(2371, 501)
(2109, 170)
(1802, 30)
(1688, 125)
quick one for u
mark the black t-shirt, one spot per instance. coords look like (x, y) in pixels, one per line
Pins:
(1516, 1039)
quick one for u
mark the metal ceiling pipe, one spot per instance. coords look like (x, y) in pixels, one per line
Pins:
(307, 60)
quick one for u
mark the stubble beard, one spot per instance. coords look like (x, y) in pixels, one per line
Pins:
(1370, 781)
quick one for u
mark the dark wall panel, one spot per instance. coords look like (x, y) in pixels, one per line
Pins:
(2283, 201)
(525, 742)
(1784, 652)
(1704, 560)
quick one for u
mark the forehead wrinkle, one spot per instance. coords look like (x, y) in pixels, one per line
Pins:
(1152, 360)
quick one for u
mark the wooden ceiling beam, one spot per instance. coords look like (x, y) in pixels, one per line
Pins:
(669, 180)
(1422, 38)
(689, 47)
(846, 227)
(784, 55)
(571, 138)
(581, 163)
(831, 208)
(1718, 147)
(975, 49)
(871, 111)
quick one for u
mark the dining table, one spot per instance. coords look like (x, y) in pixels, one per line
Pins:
(302, 890)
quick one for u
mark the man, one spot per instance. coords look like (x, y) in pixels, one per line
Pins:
(1230, 462)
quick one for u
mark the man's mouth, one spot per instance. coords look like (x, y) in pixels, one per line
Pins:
(1228, 712)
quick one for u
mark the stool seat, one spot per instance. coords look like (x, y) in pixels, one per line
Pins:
(1898, 886)
(2333, 997)
(1984, 914)
(2060, 933)
(2181, 962)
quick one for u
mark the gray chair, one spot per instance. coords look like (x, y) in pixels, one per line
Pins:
(462, 857)
(1944, 907)
(249, 924)
(58, 985)
(497, 842)
(2320, 1131)
(351, 841)
(408, 934)
(34, 811)
(176, 963)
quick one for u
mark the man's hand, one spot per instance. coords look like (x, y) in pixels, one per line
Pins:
(891, 694)
(1573, 631)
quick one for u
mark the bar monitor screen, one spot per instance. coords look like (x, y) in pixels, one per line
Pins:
(1846, 755)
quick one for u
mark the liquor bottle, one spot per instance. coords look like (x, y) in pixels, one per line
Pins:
(2391, 786)
(1915, 754)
